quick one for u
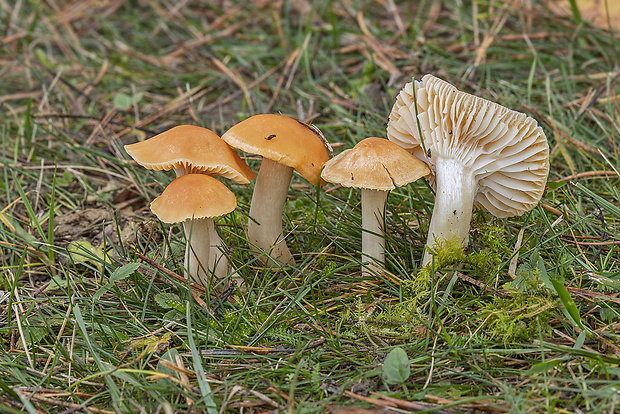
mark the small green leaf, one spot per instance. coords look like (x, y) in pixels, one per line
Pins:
(544, 276)
(35, 333)
(171, 315)
(396, 368)
(99, 293)
(65, 179)
(581, 339)
(42, 57)
(569, 304)
(544, 366)
(169, 356)
(122, 101)
(169, 301)
(57, 283)
(85, 252)
(119, 274)
(123, 272)
(555, 185)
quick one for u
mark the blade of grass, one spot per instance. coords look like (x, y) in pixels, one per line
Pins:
(50, 220)
(205, 389)
(26, 202)
(112, 387)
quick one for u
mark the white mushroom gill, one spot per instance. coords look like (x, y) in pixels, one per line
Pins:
(480, 153)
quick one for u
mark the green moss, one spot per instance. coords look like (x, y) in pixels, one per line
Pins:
(490, 248)
(516, 319)
(448, 253)
(392, 321)
(488, 251)
(281, 334)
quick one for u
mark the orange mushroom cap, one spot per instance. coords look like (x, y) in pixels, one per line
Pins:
(374, 164)
(193, 196)
(194, 148)
(283, 140)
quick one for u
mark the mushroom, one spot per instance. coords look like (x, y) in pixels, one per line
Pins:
(285, 144)
(192, 149)
(375, 165)
(479, 152)
(195, 199)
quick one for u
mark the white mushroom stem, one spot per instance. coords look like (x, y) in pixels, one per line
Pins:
(197, 234)
(217, 258)
(265, 223)
(373, 240)
(454, 202)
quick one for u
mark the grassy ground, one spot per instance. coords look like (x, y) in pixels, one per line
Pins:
(93, 315)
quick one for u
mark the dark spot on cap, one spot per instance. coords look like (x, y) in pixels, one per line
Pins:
(270, 137)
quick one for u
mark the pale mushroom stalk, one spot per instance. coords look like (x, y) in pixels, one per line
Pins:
(267, 209)
(373, 241)
(197, 234)
(454, 203)
(217, 258)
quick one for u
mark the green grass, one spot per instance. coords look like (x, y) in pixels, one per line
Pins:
(86, 324)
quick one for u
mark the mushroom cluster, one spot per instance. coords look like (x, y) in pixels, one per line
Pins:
(479, 152)
(475, 152)
(197, 154)
(192, 150)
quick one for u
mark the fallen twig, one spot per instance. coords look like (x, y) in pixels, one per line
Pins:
(588, 174)
(482, 285)
(565, 136)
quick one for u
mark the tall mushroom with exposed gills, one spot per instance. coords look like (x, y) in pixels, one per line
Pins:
(479, 152)
(194, 199)
(376, 166)
(190, 149)
(285, 145)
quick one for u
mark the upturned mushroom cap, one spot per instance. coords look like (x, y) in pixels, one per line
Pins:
(193, 148)
(193, 196)
(283, 140)
(506, 150)
(374, 164)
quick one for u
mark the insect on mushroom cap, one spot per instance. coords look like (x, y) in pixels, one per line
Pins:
(283, 140)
